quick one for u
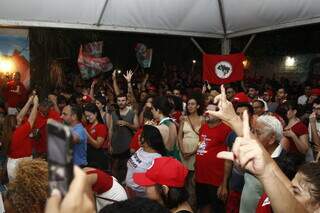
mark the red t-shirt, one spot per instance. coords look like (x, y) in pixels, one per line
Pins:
(299, 129)
(104, 181)
(99, 130)
(135, 140)
(264, 205)
(176, 116)
(13, 98)
(208, 168)
(21, 145)
(40, 146)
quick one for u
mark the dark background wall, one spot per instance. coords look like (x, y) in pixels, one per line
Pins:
(63, 45)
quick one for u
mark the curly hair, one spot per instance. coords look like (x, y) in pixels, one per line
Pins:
(28, 192)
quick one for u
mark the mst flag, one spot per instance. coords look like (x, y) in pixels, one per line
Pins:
(221, 69)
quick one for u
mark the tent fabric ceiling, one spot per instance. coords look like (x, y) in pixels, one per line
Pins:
(175, 17)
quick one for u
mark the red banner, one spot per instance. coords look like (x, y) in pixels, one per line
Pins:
(222, 69)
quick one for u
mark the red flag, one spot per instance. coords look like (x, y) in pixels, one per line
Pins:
(222, 69)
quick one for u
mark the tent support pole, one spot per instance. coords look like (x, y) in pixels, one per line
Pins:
(102, 12)
(225, 46)
(197, 45)
(223, 19)
(249, 42)
(225, 42)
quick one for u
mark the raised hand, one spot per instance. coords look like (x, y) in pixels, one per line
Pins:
(114, 75)
(128, 76)
(248, 153)
(78, 198)
(35, 100)
(226, 111)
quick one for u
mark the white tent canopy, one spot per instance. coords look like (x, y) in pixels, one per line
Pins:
(204, 18)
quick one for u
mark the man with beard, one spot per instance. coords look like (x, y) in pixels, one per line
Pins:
(253, 91)
(209, 170)
(123, 123)
(314, 126)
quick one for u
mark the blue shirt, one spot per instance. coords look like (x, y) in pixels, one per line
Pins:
(236, 179)
(80, 148)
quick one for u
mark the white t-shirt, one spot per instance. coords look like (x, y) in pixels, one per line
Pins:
(302, 100)
(140, 161)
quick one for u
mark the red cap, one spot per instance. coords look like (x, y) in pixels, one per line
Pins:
(241, 97)
(165, 171)
(315, 91)
(87, 99)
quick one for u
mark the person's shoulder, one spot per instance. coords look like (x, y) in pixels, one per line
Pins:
(78, 127)
(225, 127)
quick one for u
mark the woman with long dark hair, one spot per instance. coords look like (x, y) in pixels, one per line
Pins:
(161, 110)
(295, 132)
(152, 147)
(97, 133)
(188, 135)
(188, 140)
(101, 103)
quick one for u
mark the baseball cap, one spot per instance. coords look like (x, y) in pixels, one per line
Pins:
(87, 99)
(165, 171)
(241, 97)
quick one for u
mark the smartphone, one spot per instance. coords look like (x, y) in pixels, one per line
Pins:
(59, 156)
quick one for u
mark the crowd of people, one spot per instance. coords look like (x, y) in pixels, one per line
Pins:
(165, 142)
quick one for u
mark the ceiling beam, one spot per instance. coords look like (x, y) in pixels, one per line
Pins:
(223, 19)
(102, 12)
(87, 26)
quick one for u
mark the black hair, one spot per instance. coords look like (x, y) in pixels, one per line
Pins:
(175, 196)
(102, 100)
(311, 171)
(135, 205)
(46, 103)
(90, 107)
(121, 96)
(162, 103)
(147, 114)
(289, 163)
(293, 105)
(316, 101)
(152, 136)
(61, 99)
(199, 99)
(76, 110)
(244, 104)
(177, 103)
(254, 86)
